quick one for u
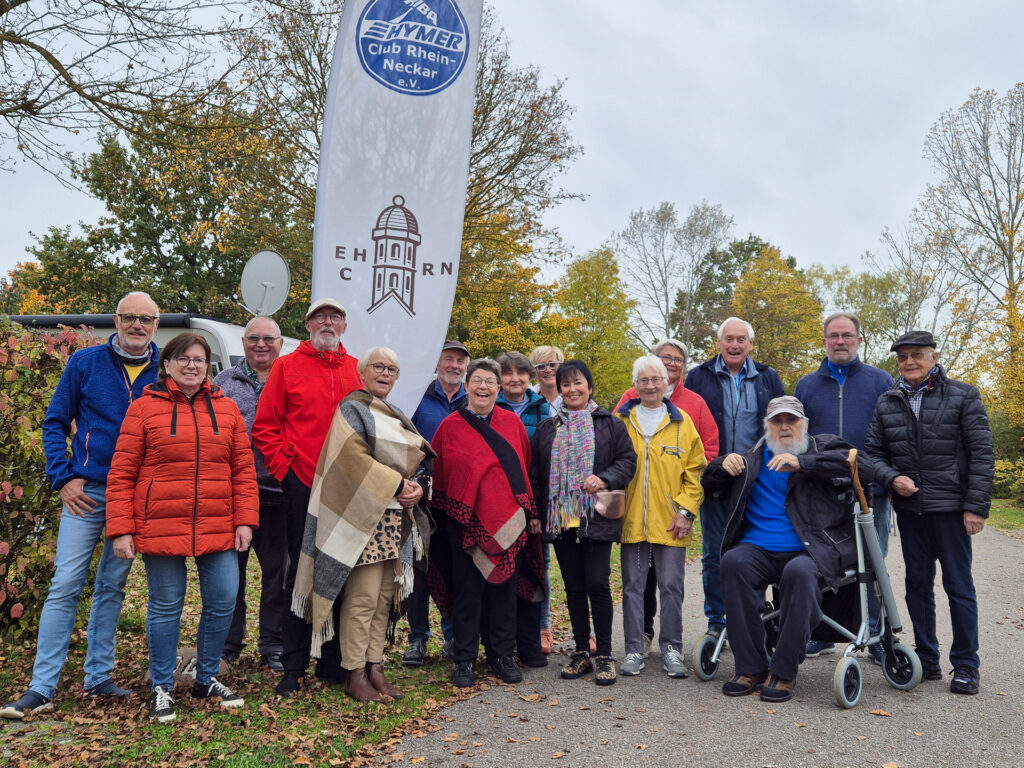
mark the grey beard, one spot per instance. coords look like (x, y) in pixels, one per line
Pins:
(796, 448)
(328, 344)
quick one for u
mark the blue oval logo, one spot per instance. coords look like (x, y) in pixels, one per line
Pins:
(418, 47)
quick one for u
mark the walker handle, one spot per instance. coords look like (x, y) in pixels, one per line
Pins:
(851, 460)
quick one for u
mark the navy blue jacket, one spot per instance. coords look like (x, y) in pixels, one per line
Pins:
(93, 393)
(705, 381)
(842, 410)
(434, 408)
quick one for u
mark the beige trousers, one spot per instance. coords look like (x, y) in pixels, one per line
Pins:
(365, 607)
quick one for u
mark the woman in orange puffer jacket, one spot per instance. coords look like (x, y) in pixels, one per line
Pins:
(182, 484)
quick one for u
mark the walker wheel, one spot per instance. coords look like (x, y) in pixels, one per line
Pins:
(848, 682)
(902, 669)
(704, 666)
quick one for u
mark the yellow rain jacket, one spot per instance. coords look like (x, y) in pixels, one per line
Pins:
(670, 464)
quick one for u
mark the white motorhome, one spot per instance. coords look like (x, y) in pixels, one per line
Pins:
(225, 339)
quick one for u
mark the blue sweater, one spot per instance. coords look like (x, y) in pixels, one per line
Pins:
(93, 394)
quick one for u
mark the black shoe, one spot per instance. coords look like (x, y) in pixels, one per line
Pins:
(416, 654)
(464, 676)
(931, 671)
(230, 656)
(215, 689)
(777, 690)
(288, 684)
(505, 668)
(162, 708)
(330, 675)
(966, 680)
(604, 670)
(273, 660)
(876, 652)
(744, 685)
(528, 659)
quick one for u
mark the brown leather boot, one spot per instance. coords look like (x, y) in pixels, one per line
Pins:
(359, 687)
(378, 681)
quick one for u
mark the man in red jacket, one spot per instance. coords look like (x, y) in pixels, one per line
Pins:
(292, 420)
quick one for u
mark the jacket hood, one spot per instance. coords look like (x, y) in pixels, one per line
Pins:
(674, 414)
(306, 348)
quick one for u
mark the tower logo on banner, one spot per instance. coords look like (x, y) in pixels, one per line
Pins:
(412, 46)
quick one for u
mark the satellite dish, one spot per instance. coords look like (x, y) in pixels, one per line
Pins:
(265, 283)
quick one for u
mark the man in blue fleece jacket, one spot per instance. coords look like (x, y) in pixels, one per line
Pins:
(839, 398)
(94, 392)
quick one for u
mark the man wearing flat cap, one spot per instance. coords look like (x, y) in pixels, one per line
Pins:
(786, 524)
(931, 447)
(293, 417)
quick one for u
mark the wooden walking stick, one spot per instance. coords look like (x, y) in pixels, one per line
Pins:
(851, 460)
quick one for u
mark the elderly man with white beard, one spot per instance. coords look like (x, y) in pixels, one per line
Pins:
(787, 524)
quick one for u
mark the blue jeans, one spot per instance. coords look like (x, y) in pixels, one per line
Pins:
(712, 526)
(76, 543)
(218, 585)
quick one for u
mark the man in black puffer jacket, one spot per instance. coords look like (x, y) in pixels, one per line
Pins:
(931, 446)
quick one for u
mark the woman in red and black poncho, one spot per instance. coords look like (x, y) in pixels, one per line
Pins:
(481, 484)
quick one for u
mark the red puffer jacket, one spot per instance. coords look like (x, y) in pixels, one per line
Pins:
(182, 477)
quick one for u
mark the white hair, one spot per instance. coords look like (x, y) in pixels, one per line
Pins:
(657, 348)
(721, 328)
(277, 328)
(368, 356)
(648, 361)
(797, 448)
(133, 294)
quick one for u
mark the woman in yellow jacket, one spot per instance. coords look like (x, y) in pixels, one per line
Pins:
(662, 501)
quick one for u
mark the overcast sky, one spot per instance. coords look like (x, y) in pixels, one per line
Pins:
(804, 120)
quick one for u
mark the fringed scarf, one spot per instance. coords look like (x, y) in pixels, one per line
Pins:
(370, 449)
(572, 461)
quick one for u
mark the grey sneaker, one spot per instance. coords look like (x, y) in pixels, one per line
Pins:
(632, 664)
(415, 655)
(672, 662)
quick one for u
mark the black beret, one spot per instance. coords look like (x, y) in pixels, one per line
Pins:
(914, 339)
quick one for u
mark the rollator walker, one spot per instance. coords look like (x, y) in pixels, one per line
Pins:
(844, 619)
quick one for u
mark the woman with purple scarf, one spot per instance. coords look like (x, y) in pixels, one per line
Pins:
(583, 449)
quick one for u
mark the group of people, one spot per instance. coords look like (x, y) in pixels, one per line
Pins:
(359, 514)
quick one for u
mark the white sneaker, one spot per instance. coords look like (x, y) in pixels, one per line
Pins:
(672, 662)
(632, 664)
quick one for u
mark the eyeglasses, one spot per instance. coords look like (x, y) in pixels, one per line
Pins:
(268, 340)
(902, 357)
(184, 362)
(327, 317)
(553, 366)
(146, 320)
(842, 336)
(390, 370)
(668, 359)
(648, 382)
(476, 381)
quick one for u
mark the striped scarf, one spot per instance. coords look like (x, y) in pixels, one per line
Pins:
(572, 460)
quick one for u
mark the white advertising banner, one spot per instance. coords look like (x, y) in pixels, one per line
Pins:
(391, 191)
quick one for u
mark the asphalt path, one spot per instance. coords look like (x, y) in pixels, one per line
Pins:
(651, 720)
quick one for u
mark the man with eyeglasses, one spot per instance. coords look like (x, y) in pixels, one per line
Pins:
(443, 396)
(839, 399)
(931, 446)
(89, 404)
(292, 420)
(243, 383)
(737, 390)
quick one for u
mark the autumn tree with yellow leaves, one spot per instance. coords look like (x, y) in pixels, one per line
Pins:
(777, 301)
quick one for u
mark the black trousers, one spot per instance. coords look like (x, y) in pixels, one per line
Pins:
(586, 571)
(650, 600)
(270, 543)
(747, 571)
(297, 633)
(470, 590)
